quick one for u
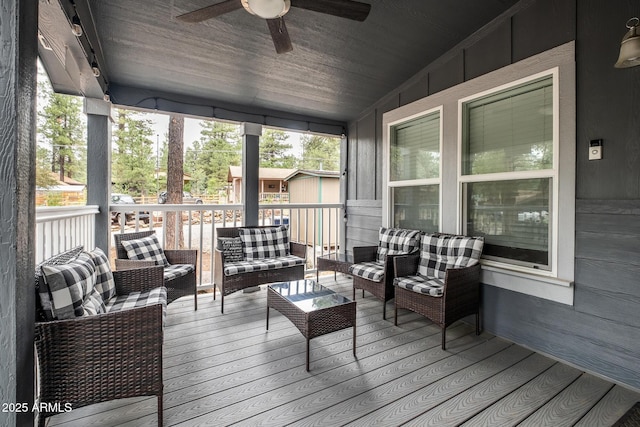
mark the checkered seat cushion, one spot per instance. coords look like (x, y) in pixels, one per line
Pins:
(173, 271)
(370, 270)
(233, 268)
(139, 299)
(421, 285)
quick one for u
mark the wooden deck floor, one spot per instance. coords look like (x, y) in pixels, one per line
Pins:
(226, 369)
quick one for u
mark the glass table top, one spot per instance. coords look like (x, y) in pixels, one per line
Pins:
(308, 295)
(338, 256)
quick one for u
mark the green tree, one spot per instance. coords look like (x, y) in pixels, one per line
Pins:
(133, 161)
(209, 159)
(320, 153)
(274, 148)
(62, 131)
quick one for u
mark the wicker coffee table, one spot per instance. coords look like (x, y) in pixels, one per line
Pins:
(338, 262)
(312, 308)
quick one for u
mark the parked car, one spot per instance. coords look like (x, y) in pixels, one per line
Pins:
(187, 198)
(125, 199)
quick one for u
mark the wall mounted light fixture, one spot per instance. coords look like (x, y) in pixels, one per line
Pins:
(630, 46)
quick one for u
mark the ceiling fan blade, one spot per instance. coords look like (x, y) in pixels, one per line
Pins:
(210, 11)
(343, 8)
(280, 35)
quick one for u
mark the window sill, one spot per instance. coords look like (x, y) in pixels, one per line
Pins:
(537, 285)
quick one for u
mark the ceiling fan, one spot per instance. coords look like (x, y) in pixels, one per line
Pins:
(274, 10)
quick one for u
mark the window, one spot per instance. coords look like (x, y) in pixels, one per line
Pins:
(508, 175)
(504, 146)
(414, 173)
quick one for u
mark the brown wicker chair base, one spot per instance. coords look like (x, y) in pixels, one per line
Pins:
(381, 290)
(103, 357)
(461, 299)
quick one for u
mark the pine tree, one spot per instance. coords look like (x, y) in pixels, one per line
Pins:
(274, 148)
(133, 163)
(320, 152)
(209, 159)
(62, 131)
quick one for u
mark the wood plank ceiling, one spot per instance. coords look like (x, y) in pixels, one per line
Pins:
(336, 70)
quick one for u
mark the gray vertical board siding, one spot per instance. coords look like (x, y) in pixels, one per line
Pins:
(418, 89)
(608, 106)
(352, 161)
(18, 23)
(365, 219)
(543, 25)
(447, 75)
(365, 178)
(489, 53)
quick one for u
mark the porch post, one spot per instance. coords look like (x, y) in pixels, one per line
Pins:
(99, 164)
(18, 56)
(251, 133)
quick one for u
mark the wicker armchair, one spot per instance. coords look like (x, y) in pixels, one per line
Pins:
(96, 358)
(372, 268)
(444, 294)
(176, 286)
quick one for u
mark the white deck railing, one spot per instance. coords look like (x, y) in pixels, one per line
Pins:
(317, 225)
(62, 228)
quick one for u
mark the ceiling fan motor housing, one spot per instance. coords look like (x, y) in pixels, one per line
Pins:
(267, 9)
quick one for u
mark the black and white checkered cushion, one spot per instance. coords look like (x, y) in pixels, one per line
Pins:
(93, 304)
(439, 253)
(397, 241)
(233, 268)
(69, 284)
(145, 249)
(261, 243)
(421, 285)
(231, 248)
(139, 299)
(177, 270)
(43, 307)
(371, 270)
(105, 284)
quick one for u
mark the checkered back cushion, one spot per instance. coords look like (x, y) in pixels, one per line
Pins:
(44, 310)
(441, 252)
(231, 247)
(69, 284)
(146, 249)
(105, 284)
(397, 241)
(260, 243)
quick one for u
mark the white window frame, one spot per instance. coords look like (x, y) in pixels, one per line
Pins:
(555, 284)
(518, 175)
(390, 185)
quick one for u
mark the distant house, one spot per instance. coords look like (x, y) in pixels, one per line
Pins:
(272, 183)
(67, 192)
(314, 186)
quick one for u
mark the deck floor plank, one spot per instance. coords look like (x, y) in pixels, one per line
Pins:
(227, 369)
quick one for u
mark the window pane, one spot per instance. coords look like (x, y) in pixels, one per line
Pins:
(417, 207)
(510, 131)
(415, 149)
(514, 218)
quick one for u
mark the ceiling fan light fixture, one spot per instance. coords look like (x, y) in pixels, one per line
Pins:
(267, 9)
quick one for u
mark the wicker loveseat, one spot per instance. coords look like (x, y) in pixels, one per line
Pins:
(179, 264)
(249, 256)
(98, 334)
(372, 270)
(442, 281)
